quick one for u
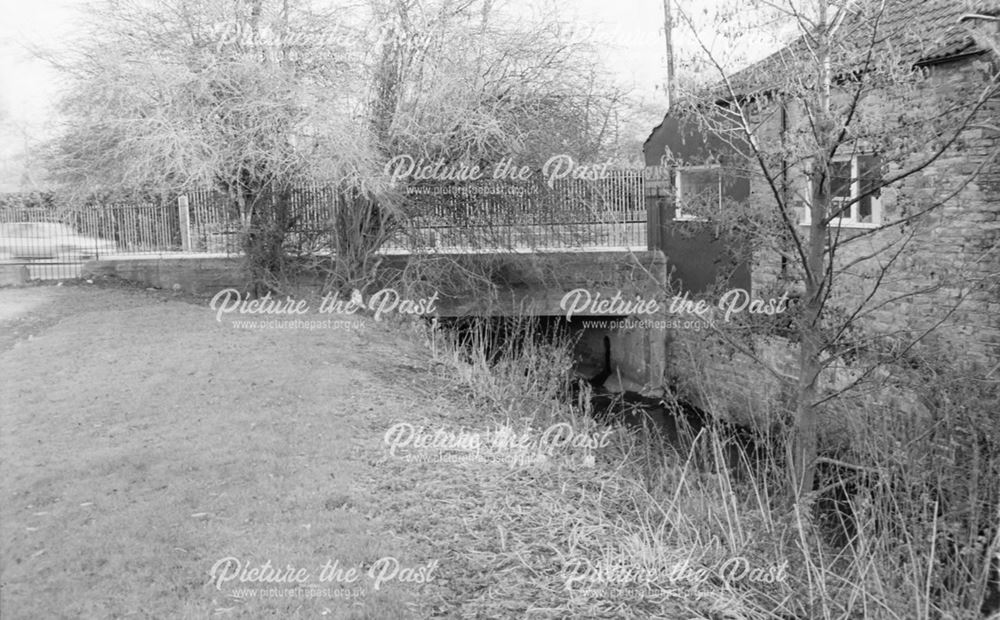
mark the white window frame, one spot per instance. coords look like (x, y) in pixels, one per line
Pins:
(851, 220)
(679, 190)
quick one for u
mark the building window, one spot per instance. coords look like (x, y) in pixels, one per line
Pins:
(698, 191)
(856, 179)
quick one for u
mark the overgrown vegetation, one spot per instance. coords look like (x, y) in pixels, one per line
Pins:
(644, 530)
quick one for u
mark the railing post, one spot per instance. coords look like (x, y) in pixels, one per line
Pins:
(184, 217)
(653, 222)
(654, 208)
(659, 204)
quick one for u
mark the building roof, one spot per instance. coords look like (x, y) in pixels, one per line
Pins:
(909, 32)
(927, 31)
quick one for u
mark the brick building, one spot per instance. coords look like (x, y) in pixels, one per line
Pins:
(920, 255)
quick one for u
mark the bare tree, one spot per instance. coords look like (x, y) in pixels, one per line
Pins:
(256, 96)
(475, 81)
(825, 129)
(172, 96)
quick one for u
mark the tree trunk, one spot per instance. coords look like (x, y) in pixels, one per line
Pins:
(805, 442)
(270, 220)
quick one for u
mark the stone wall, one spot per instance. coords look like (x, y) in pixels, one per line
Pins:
(945, 264)
(196, 275)
(944, 275)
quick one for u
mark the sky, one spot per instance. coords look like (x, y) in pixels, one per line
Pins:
(632, 31)
(629, 32)
(28, 85)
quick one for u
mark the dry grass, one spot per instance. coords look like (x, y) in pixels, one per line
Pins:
(634, 531)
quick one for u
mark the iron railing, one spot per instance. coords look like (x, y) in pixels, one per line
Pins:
(485, 216)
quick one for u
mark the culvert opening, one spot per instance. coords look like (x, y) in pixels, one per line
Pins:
(584, 361)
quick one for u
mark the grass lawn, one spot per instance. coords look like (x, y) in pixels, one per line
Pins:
(158, 463)
(141, 442)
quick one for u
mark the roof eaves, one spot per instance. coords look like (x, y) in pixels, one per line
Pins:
(955, 51)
